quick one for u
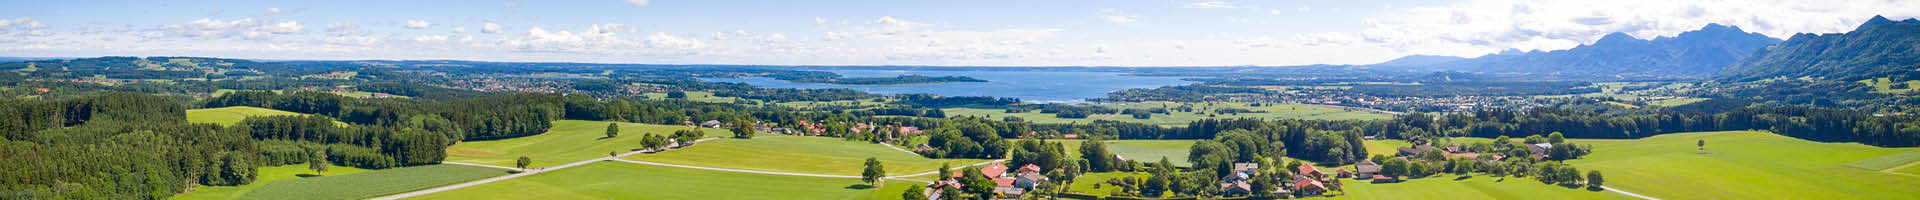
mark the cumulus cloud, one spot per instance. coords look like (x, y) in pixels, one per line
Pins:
(639, 3)
(418, 24)
(1211, 4)
(220, 29)
(20, 24)
(1116, 16)
(273, 10)
(342, 27)
(490, 28)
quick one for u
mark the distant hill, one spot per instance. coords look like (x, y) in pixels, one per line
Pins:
(1698, 53)
(1419, 60)
(1878, 48)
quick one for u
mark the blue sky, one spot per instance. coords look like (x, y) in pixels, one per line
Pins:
(1096, 33)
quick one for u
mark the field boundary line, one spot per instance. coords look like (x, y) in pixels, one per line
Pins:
(511, 176)
(482, 165)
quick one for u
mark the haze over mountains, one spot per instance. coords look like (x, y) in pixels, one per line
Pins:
(1699, 53)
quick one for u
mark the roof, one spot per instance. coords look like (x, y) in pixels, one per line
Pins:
(1032, 176)
(1245, 166)
(1305, 184)
(1463, 155)
(1366, 166)
(1004, 181)
(1382, 177)
(994, 170)
(1028, 168)
(1308, 169)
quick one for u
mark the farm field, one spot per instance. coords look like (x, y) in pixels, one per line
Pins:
(800, 154)
(1281, 111)
(568, 141)
(617, 180)
(227, 116)
(1142, 150)
(266, 175)
(1448, 186)
(1745, 165)
(1096, 183)
(372, 183)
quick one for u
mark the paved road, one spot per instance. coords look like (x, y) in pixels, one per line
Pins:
(510, 176)
(1628, 193)
(481, 165)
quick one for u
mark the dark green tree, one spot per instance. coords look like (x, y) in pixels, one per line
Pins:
(874, 172)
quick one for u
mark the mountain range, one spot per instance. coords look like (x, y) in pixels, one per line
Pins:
(1699, 53)
(1877, 48)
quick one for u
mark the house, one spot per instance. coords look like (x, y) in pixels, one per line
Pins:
(1235, 189)
(1309, 170)
(1120, 157)
(1539, 150)
(1465, 155)
(711, 124)
(1366, 168)
(1071, 136)
(1343, 173)
(1029, 180)
(1309, 187)
(923, 148)
(1004, 181)
(1009, 192)
(994, 170)
(1383, 179)
(1414, 151)
(1029, 168)
(1248, 168)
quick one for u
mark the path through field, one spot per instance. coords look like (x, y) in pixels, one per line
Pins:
(1628, 193)
(510, 176)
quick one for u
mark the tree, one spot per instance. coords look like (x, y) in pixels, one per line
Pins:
(874, 172)
(522, 162)
(1095, 152)
(318, 162)
(676, 94)
(1702, 144)
(914, 193)
(946, 170)
(1556, 138)
(612, 130)
(1394, 167)
(743, 129)
(1535, 139)
(1594, 180)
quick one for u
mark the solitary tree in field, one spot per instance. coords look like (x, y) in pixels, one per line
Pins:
(914, 193)
(743, 129)
(874, 172)
(318, 163)
(612, 130)
(1594, 180)
(1702, 144)
(523, 162)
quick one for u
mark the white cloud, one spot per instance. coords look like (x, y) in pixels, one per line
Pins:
(490, 28)
(273, 10)
(819, 21)
(639, 3)
(342, 27)
(220, 29)
(462, 29)
(1211, 4)
(418, 24)
(1116, 16)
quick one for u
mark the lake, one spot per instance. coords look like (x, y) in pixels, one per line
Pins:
(1025, 85)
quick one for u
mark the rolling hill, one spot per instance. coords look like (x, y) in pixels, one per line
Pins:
(1877, 48)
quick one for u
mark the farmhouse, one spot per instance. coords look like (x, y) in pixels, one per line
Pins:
(711, 124)
(1414, 151)
(1310, 172)
(1309, 187)
(1366, 169)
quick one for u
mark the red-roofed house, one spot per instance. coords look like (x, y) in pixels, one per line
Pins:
(1309, 170)
(995, 170)
(1309, 187)
(1029, 168)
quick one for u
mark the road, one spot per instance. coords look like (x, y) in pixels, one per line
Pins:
(1628, 193)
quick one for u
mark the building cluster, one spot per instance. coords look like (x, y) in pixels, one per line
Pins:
(1007, 184)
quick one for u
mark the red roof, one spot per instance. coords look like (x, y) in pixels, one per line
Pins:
(1382, 178)
(1071, 136)
(1004, 182)
(1304, 184)
(1308, 169)
(994, 170)
(1029, 168)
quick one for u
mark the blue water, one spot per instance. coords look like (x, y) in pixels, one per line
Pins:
(1027, 86)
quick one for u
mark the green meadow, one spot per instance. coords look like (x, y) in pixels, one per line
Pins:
(372, 183)
(1280, 111)
(800, 154)
(227, 116)
(617, 180)
(1746, 165)
(1448, 186)
(266, 176)
(568, 141)
(1140, 150)
(1096, 183)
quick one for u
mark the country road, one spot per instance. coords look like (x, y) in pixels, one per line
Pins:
(1628, 193)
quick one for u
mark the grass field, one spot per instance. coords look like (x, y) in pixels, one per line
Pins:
(1888, 161)
(615, 180)
(1449, 186)
(1745, 165)
(1281, 111)
(1141, 150)
(227, 116)
(568, 141)
(372, 183)
(1096, 183)
(801, 154)
(1885, 85)
(1676, 101)
(266, 175)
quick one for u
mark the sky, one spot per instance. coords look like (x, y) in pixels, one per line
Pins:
(911, 32)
